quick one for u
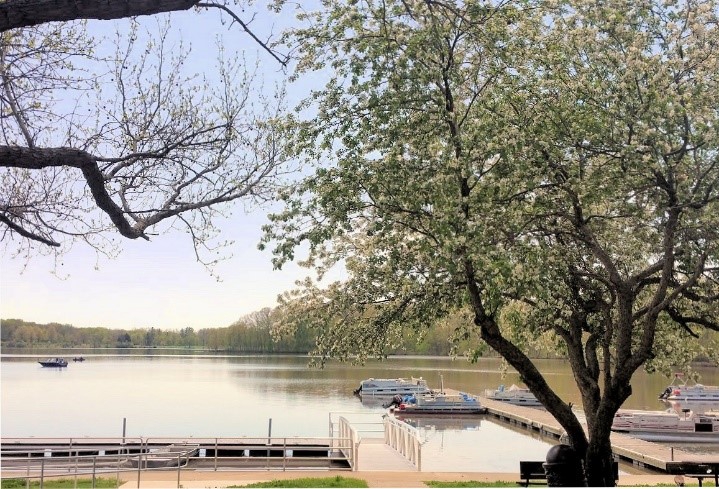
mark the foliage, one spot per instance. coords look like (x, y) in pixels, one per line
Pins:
(110, 137)
(336, 481)
(100, 482)
(549, 169)
(250, 334)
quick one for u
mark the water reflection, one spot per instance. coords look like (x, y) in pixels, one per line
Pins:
(168, 394)
(465, 423)
(475, 443)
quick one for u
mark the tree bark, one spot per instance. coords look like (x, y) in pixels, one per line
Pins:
(38, 158)
(25, 13)
(599, 462)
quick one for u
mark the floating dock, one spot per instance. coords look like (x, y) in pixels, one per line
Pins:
(639, 452)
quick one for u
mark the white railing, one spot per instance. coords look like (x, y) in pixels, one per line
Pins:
(405, 439)
(347, 432)
(37, 459)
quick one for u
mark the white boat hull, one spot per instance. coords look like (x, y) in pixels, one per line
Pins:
(667, 426)
(676, 437)
(384, 388)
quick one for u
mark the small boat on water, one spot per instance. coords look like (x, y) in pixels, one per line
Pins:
(686, 392)
(392, 387)
(53, 362)
(667, 426)
(519, 396)
(440, 404)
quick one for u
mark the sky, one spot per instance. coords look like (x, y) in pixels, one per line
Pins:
(158, 283)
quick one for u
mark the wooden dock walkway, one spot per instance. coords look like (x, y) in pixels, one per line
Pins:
(639, 452)
(375, 455)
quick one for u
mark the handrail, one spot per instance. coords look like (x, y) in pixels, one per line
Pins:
(348, 432)
(405, 439)
(33, 458)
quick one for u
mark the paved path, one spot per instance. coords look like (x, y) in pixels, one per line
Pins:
(202, 480)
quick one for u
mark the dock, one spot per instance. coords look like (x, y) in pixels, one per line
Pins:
(638, 452)
(381, 445)
(373, 454)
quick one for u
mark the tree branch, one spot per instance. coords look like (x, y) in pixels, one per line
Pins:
(25, 233)
(38, 158)
(25, 13)
(283, 61)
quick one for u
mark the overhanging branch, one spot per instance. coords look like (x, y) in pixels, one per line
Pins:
(25, 13)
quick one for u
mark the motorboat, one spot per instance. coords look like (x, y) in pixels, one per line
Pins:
(392, 387)
(693, 393)
(519, 396)
(668, 426)
(53, 362)
(440, 404)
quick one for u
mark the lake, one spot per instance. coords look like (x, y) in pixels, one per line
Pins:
(166, 394)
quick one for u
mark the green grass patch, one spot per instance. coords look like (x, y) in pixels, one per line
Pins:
(470, 484)
(100, 482)
(337, 481)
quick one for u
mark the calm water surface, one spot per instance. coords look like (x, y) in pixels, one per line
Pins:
(225, 396)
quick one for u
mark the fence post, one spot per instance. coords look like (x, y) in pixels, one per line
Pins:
(139, 466)
(94, 465)
(42, 473)
(77, 462)
(117, 477)
(419, 454)
(179, 466)
(27, 479)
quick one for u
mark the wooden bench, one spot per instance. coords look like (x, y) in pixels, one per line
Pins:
(533, 473)
(703, 471)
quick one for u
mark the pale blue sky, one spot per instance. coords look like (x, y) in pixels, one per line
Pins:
(158, 283)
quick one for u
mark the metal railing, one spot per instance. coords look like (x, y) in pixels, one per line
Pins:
(405, 439)
(348, 432)
(34, 459)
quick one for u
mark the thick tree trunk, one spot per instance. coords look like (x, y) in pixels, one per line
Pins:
(599, 463)
(25, 13)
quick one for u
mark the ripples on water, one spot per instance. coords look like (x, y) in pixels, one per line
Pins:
(225, 396)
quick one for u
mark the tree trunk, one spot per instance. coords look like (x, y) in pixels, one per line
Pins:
(599, 462)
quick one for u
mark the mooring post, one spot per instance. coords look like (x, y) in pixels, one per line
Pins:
(269, 441)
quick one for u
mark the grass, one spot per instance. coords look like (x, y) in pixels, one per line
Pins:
(337, 481)
(100, 482)
(470, 484)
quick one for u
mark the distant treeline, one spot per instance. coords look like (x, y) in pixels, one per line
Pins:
(251, 334)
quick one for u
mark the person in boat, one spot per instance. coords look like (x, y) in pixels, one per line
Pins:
(395, 402)
(667, 392)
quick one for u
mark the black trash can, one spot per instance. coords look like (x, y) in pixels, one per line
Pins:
(564, 467)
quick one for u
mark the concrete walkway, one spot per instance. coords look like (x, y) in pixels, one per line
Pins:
(375, 478)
